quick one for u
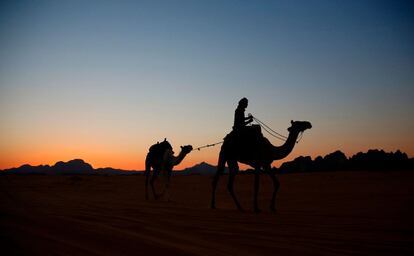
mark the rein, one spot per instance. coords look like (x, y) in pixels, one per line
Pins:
(264, 127)
(272, 132)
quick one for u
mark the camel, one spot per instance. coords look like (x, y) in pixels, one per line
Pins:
(162, 160)
(253, 149)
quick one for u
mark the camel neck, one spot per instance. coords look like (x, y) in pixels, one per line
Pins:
(179, 158)
(284, 150)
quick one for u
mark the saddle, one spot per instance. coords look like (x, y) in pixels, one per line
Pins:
(248, 135)
(157, 150)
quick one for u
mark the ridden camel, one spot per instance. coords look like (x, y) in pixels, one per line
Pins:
(250, 147)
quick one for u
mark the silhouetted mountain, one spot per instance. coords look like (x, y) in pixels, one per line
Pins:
(76, 166)
(376, 160)
(29, 169)
(202, 168)
(300, 164)
(112, 171)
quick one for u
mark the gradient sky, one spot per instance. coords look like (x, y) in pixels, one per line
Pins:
(104, 80)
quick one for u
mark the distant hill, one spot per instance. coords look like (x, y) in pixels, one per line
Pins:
(202, 168)
(373, 160)
(112, 171)
(76, 166)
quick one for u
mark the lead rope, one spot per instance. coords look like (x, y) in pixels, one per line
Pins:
(208, 145)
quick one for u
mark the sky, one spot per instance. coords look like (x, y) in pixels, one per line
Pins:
(104, 80)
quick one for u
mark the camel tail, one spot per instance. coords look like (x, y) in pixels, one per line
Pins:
(147, 165)
(147, 174)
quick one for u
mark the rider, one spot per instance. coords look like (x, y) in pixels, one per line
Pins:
(240, 121)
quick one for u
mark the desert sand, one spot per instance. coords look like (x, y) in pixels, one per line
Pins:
(336, 213)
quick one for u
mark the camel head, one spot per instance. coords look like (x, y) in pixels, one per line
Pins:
(186, 149)
(299, 126)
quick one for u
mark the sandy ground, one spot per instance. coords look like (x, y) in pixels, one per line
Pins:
(340, 213)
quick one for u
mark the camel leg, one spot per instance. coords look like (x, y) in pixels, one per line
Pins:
(167, 185)
(153, 178)
(220, 171)
(233, 170)
(147, 174)
(276, 186)
(163, 178)
(256, 189)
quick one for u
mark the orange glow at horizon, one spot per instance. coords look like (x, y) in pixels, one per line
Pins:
(128, 160)
(105, 143)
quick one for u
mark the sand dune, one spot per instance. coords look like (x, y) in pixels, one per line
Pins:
(340, 213)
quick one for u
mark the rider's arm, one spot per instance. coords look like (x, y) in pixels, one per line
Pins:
(248, 120)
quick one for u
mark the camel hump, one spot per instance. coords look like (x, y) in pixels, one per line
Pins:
(246, 134)
(255, 130)
(159, 149)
